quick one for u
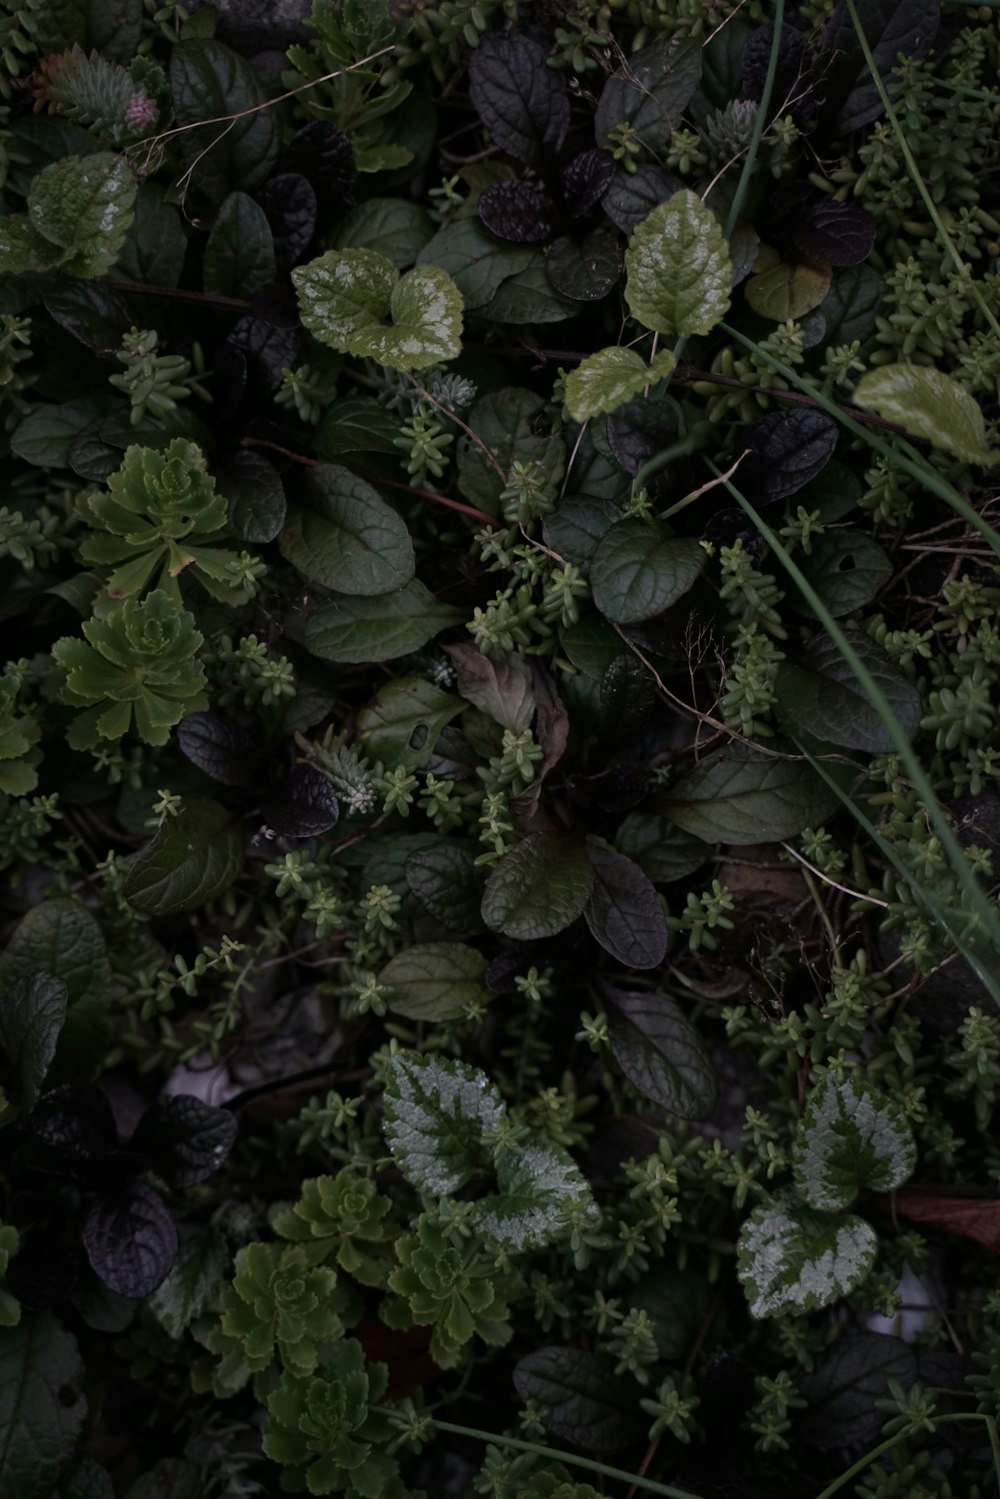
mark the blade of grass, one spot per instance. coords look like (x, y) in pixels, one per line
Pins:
(980, 904)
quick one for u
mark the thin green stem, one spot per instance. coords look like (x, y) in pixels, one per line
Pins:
(902, 1436)
(759, 123)
(570, 1458)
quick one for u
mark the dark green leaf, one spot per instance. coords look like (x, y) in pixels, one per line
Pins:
(847, 569)
(198, 1273)
(624, 912)
(586, 268)
(61, 939)
(239, 256)
(402, 725)
(851, 306)
(446, 882)
(499, 685)
(155, 244)
(591, 645)
(580, 1398)
(640, 569)
(346, 537)
(352, 629)
(675, 1301)
(504, 421)
(530, 297)
(194, 857)
(632, 196)
(820, 694)
(663, 852)
(661, 1053)
(32, 1012)
(539, 888)
(254, 495)
(435, 980)
(475, 259)
(357, 424)
(740, 795)
(208, 81)
(395, 227)
(843, 1389)
(42, 1406)
(47, 435)
(577, 526)
(223, 748)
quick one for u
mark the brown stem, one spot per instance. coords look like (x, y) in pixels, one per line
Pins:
(140, 289)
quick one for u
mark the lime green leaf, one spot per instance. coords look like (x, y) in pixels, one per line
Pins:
(345, 536)
(929, 404)
(440, 1119)
(194, 857)
(539, 888)
(609, 378)
(640, 569)
(851, 1138)
(345, 296)
(792, 1259)
(354, 630)
(42, 1406)
(435, 980)
(679, 271)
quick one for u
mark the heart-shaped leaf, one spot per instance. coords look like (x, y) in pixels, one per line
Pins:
(186, 1139)
(791, 1259)
(787, 449)
(130, 1240)
(851, 1138)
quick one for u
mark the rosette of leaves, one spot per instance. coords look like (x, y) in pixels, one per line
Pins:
(19, 733)
(341, 1217)
(449, 1283)
(159, 511)
(119, 105)
(279, 1301)
(329, 1432)
(137, 665)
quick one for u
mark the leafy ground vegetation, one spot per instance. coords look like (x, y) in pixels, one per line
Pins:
(498, 750)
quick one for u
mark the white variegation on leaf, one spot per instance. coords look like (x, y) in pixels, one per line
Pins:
(440, 1117)
(793, 1259)
(346, 296)
(606, 380)
(679, 270)
(850, 1138)
(540, 1187)
(929, 404)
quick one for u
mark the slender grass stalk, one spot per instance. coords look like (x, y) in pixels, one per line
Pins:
(979, 902)
(903, 1436)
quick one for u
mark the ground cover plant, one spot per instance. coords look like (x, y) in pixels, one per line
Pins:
(498, 749)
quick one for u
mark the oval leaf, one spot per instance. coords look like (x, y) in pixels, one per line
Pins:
(624, 912)
(346, 537)
(42, 1405)
(436, 980)
(521, 101)
(355, 630)
(447, 883)
(639, 570)
(186, 1139)
(440, 1117)
(32, 1013)
(580, 1398)
(787, 448)
(739, 795)
(791, 1259)
(679, 271)
(192, 859)
(929, 404)
(130, 1240)
(819, 693)
(606, 380)
(539, 888)
(661, 1053)
(851, 1138)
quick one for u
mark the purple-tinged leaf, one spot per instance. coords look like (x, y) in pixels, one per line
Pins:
(891, 27)
(289, 204)
(791, 77)
(579, 1397)
(303, 807)
(632, 196)
(586, 268)
(787, 448)
(225, 749)
(836, 233)
(661, 1053)
(586, 180)
(321, 152)
(519, 211)
(186, 1140)
(130, 1240)
(521, 101)
(624, 912)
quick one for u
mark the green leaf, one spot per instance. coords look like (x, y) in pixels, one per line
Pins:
(60, 939)
(847, 569)
(239, 255)
(640, 569)
(843, 1389)
(440, 1117)
(931, 405)
(436, 980)
(194, 857)
(541, 1190)
(402, 725)
(394, 227)
(530, 297)
(660, 1052)
(539, 888)
(786, 290)
(740, 795)
(580, 1398)
(820, 694)
(346, 537)
(624, 912)
(850, 1139)
(357, 424)
(32, 1012)
(679, 271)
(476, 260)
(792, 1259)
(606, 380)
(586, 267)
(83, 205)
(42, 1406)
(650, 91)
(356, 630)
(254, 495)
(210, 82)
(447, 883)
(663, 852)
(47, 434)
(504, 422)
(199, 1271)
(499, 686)
(345, 295)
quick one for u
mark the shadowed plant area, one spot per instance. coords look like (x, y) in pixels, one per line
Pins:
(499, 749)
